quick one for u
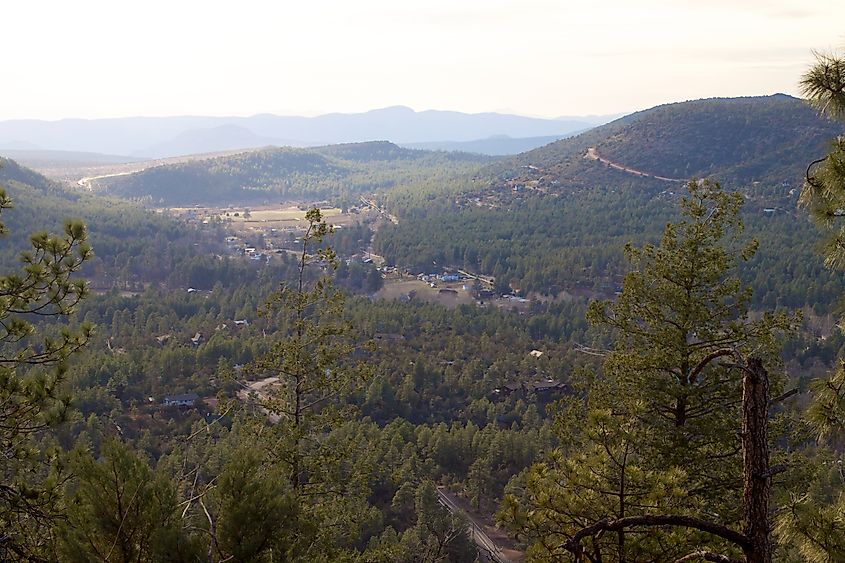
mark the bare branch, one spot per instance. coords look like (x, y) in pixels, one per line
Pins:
(705, 361)
(785, 396)
(574, 544)
(707, 556)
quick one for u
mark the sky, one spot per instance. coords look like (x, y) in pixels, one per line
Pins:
(546, 58)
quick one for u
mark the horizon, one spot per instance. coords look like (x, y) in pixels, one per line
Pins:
(535, 59)
(607, 117)
(328, 113)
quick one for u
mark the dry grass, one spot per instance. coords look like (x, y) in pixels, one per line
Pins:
(395, 289)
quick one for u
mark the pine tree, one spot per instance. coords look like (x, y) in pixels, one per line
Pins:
(312, 355)
(814, 521)
(33, 360)
(824, 190)
(682, 311)
(651, 466)
(120, 510)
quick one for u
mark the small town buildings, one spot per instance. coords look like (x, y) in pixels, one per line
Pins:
(185, 400)
(543, 389)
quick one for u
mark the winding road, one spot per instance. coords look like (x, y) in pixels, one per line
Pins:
(592, 154)
(86, 182)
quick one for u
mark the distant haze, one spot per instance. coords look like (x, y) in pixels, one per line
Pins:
(96, 58)
(155, 137)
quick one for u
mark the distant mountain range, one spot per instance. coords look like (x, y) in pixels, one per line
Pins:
(157, 137)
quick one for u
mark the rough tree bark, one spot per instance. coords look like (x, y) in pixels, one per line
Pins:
(757, 476)
(754, 540)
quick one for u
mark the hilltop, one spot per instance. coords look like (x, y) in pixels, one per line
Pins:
(12, 173)
(292, 173)
(738, 141)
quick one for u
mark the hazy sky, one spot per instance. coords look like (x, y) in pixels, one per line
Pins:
(86, 58)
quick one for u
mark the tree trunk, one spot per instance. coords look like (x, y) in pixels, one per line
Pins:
(755, 453)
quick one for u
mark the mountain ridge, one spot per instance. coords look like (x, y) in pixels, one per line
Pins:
(157, 137)
(767, 139)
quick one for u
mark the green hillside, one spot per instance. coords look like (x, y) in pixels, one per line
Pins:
(737, 141)
(12, 172)
(130, 243)
(292, 173)
(551, 220)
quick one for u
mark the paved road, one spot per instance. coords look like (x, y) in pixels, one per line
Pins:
(481, 539)
(86, 182)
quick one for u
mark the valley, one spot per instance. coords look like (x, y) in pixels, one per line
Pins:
(430, 308)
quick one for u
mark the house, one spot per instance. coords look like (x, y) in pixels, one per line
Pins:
(196, 339)
(241, 322)
(547, 387)
(509, 388)
(541, 389)
(185, 400)
(388, 337)
(535, 353)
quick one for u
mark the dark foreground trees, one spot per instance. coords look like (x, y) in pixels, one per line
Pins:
(824, 190)
(667, 459)
(814, 519)
(32, 368)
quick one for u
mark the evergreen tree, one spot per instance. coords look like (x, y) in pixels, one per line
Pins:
(824, 190)
(655, 445)
(33, 399)
(438, 536)
(814, 521)
(119, 510)
(682, 311)
(311, 355)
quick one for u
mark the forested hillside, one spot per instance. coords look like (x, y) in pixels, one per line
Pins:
(265, 404)
(552, 220)
(284, 174)
(132, 246)
(734, 140)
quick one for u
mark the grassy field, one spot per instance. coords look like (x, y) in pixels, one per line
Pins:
(397, 288)
(267, 217)
(284, 215)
